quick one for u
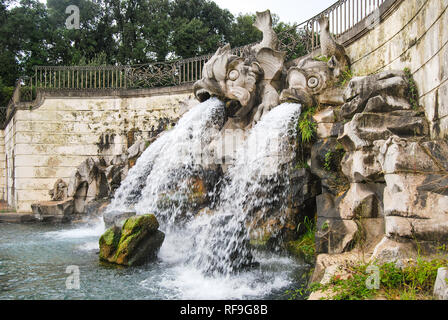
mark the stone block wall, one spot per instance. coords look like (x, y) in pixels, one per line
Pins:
(414, 36)
(48, 141)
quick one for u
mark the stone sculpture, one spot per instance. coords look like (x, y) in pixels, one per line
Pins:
(249, 84)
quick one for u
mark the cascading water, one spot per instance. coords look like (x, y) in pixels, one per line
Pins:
(257, 184)
(216, 245)
(161, 179)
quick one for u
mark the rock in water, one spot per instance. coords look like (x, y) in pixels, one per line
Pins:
(136, 243)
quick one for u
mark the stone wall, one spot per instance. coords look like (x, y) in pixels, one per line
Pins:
(414, 35)
(48, 141)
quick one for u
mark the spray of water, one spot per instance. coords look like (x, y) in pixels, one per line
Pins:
(253, 186)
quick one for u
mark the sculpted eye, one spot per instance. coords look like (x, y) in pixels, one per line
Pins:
(233, 75)
(313, 82)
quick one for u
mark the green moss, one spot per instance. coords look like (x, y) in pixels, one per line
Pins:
(322, 58)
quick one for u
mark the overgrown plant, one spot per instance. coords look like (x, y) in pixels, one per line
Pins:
(415, 281)
(304, 247)
(307, 126)
(411, 90)
(345, 77)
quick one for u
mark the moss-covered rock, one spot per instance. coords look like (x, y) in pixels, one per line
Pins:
(137, 242)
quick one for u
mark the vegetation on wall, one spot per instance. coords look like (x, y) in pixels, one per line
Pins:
(412, 89)
(414, 281)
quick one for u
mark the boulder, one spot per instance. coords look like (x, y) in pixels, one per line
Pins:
(137, 242)
(361, 201)
(388, 250)
(441, 285)
(397, 155)
(54, 211)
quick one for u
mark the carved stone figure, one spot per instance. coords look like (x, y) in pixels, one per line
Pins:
(248, 84)
(314, 79)
(329, 47)
(59, 191)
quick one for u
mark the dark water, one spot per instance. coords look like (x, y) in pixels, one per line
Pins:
(34, 259)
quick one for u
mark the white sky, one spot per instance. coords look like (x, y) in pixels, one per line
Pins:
(288, 10)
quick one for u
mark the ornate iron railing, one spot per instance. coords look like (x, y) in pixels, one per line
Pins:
(297, 41)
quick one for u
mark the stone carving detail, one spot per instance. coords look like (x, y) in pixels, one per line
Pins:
(59, 192)
(312, 81)
(249, 84)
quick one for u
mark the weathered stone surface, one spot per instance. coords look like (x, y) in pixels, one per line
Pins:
(328, 130)
(88, 183)
(325, 116)
(361, 89)
(116, 218)
(434, 229)
(362, 166)
(59, 191)
(54, 211)
(335, 235)
(403, 197)
(136, 243)
(136, 149)
(388, 250)
(361, 201)
(397, 155)
(441, 285)
(365, 128)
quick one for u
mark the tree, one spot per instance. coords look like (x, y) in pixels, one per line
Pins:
(201, 21)
(243, 32)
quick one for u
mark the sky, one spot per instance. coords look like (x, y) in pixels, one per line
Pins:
(291, 11)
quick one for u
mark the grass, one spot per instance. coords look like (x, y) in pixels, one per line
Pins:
(304, 247)
(415, 281)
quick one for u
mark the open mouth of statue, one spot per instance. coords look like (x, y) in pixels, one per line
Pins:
(203, 95)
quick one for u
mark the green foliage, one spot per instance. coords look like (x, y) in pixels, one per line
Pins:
(333, 158)
(6, 93)
(411, 90)
(345, 77)
(307, 126)
(415, 281)
(115, 32)
(304, 247)
(243, 32)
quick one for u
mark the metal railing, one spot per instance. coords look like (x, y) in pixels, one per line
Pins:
(297, 41)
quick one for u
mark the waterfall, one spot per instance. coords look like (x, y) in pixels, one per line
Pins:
(254, 184)
(158, 182)
(257, 184)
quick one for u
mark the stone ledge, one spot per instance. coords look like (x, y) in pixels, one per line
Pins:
(17, 218)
